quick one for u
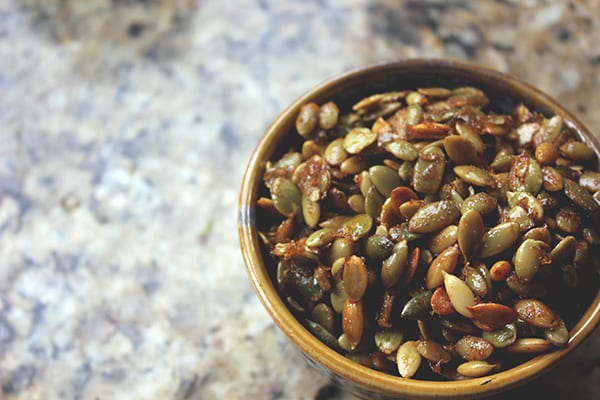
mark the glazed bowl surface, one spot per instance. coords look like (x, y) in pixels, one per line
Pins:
(505, 92)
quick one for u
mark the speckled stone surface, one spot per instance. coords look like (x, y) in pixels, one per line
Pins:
(125, 128)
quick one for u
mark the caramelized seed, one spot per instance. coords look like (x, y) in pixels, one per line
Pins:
(353, 321)
(470, 233)
(355, 277)
(445, 261)
(408, 359)
(536, 313)
(474, 348)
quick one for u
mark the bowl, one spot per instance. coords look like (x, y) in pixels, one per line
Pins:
(346, 89)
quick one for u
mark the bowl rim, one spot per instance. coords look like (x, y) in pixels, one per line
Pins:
(316, 350)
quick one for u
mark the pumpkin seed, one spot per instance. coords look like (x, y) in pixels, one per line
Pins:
(460, 324)
(581, 197)
(307, 119)
(536, 313)
(475, 281)
(528, 202)
(500, 270)
(335, 153)
(503, 337)
(322, 333)
(525, 175)
(409, 208)
(473, 348)
(402, 149)
(443, 239)
(475, 369)
(320, 238)
(523, 288)
(439, 92)
(546, 153)
(353, 321)
(474, 175)
(400, 195)
(590, 180)
(481, 202)
(419, 306)
(434, 217)
(440, 302)
(324, 315)
(394, 266)
(552, 179)
(358, 139)
(388, 341)
(564, 251)
(493, 314)
(338, 296)
(459, 293)
(498, 239)
(569, 220)
(460, 149)
(384, 178)
(468, 132)
(429, 170)
(357, 227)
(529, 256)
(470, 233)
(433, 351)
(529, 346)
(408, 359)
(355, 277)
(311, 211)
(538, 233)
(373, 202)
(502, 162)
(328, 115)
(577, 151)
(446, 261)
(591, 236)
(558, 336)
(286, 197)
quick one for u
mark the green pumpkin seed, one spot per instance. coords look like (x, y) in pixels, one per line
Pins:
(558, 336)
(552, 127)
(335, 153)
(338, 296)
(581, 197)
(591, 236)
(356, 202)
(408, 359)
(523, 288)
(564, 251)
(429, 170)
(470, 233)
(310, 149)
(438, 92)
(590, 180)
(459, 293)
(525, 175)
(480, 202)
(373, 202)
(474, 175)
(529, 256)
(461, 325)
(375, 100)
(337, 268)
(528, 202)
(475, 369)
(405, 171)
(414, 114)
(385, 179)
(392, 268)
(328, 115)
(307, 119)
(388, 340)
(577, 151)
(357, 227)
(444, 239)
(324, 315)
(434, 217)
(402, 232)
(320, 238)
(460, 149)
(286, 197)
(322, 333)
(341, 248)
(582, 251)
(502, 162)
(468, 132)
(475, 281)
(538, 233)
(485, 273)
(359, 139)
(419, 306)
(499, 239)
(502, 337)
(311, 211)
(446, 261)
(402, 149)
(569, 220)
(409, 208)
(378, 247)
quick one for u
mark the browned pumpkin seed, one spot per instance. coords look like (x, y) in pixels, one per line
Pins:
(355, 277)
(523, 288)
(474, 348)
(433, 351)
(536, 313)
(408, 359)
(335, 153)
(475, 281)
(409, 208)
(320, 238)
(494, 314)
(357, 227)
(525, 175)
(590, 180)
(470, 233)
(529, 346)
(564, 251)
(538, 233)
(434, 217)
(500, 270)
(373, 101)
(402, 149)
(446, 261)
(546, 153)
(353, 321)
(438, 92)
(480, 202)
(307, 119)
(400, 195)
(498, 239)
(502, 162)
(470, 133)
(429, 170)
(569, 220)
(310, 148)
(359, 139)
(444, 239)
(373, 203)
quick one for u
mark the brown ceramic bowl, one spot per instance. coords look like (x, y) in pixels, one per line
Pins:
(346, 90)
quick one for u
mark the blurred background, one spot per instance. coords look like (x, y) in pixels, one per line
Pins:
(125, 128)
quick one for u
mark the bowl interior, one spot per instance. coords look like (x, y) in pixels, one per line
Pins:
(505, 92)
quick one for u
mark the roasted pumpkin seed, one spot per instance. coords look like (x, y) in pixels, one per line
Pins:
(434, 217)
(408, 359)
(498, 239)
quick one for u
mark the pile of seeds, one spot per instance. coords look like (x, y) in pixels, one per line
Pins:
(424, 234)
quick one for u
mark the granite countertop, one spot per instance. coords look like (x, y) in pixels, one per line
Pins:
(125, 130)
